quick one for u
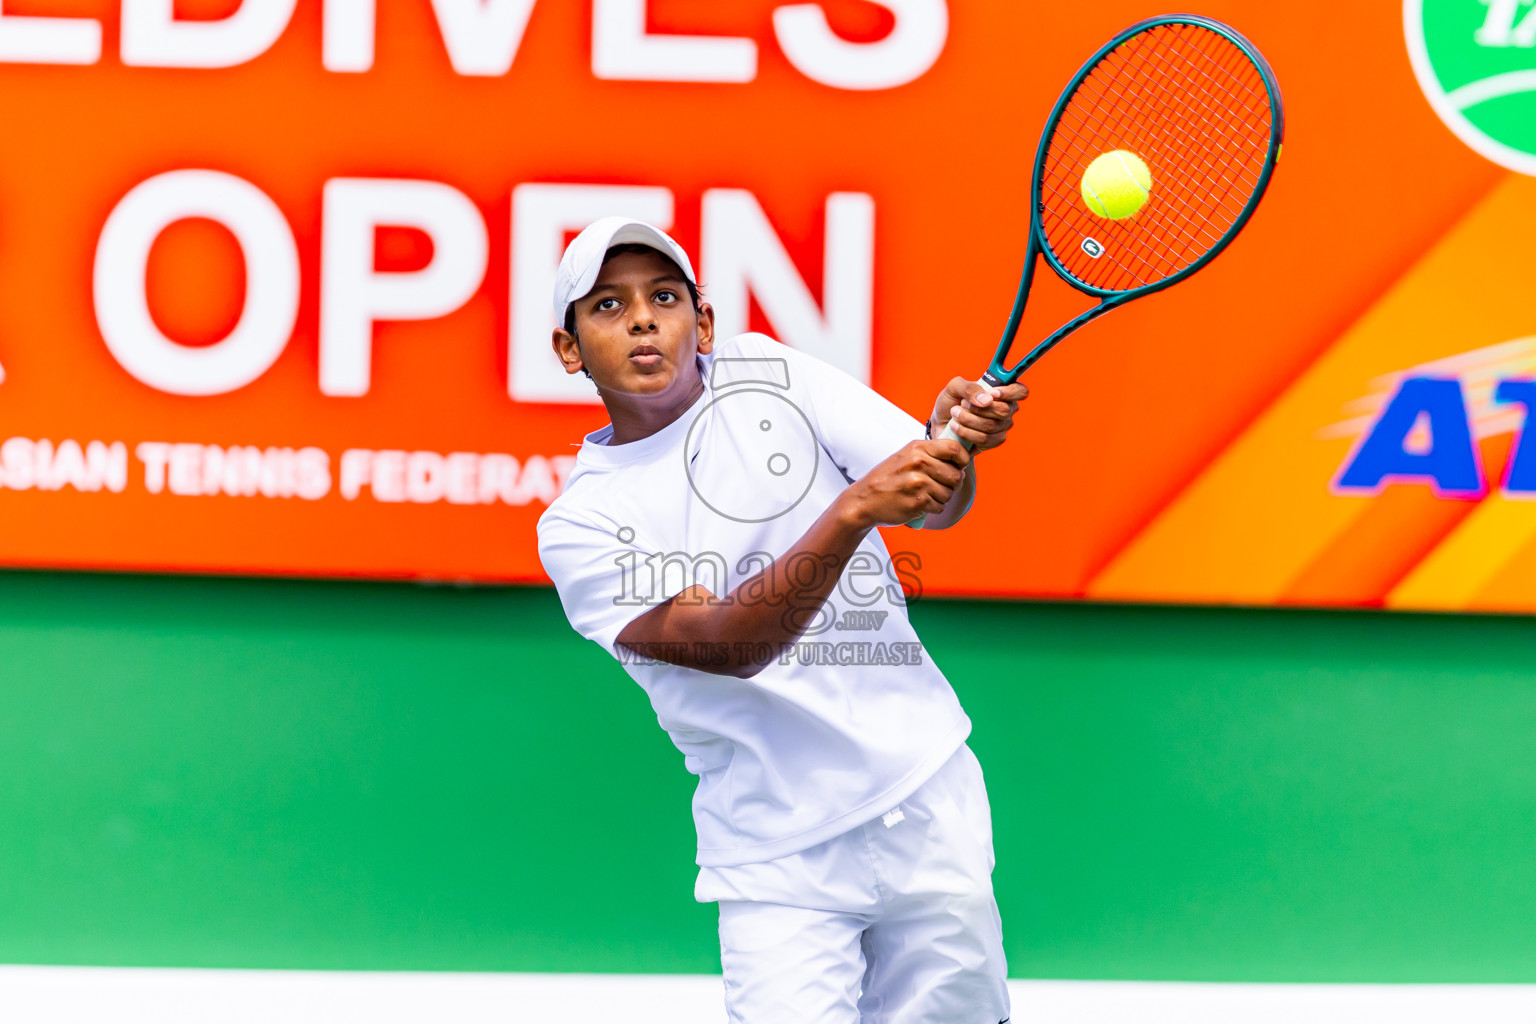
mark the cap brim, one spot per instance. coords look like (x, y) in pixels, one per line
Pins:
(627, 232)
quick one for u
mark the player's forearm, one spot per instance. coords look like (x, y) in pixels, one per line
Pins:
(743, 632)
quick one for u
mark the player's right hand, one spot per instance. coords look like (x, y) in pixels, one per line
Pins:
(917, 481)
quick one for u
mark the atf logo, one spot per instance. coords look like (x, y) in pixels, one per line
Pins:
(1476, 62)
(1425, 425)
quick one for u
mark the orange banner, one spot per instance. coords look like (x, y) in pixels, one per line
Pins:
(274, 284)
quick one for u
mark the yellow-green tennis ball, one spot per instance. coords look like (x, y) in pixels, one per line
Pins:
(1117, 185)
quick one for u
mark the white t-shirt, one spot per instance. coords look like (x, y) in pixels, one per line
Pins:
(856, 717)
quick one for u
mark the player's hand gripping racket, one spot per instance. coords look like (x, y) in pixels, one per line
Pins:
(1152, 161)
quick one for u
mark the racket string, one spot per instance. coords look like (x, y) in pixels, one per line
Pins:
(1190, 224)
(1072, 197)
(1206, 94)
(1112, 99)
(1145, 145)
(1204, 171)
(1163, 80)
(1206, 168)
(1181, 97)
(1171, 42)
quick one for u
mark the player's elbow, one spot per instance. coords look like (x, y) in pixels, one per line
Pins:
(739, 661)
(746, 670)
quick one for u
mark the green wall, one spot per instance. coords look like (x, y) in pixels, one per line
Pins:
(199, 772)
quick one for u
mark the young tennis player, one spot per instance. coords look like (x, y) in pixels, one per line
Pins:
(719, 538)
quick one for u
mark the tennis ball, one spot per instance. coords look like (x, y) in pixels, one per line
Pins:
(1117, 184)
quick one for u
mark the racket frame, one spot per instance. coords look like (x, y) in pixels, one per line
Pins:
(999, 373)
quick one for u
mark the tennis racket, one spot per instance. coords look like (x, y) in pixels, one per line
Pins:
(1198, 110)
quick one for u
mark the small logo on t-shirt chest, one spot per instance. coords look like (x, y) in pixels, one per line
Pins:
(751, 453)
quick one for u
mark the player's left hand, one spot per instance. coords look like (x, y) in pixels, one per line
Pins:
(982, 416)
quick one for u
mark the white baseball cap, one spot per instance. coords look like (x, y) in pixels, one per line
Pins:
(583, 259)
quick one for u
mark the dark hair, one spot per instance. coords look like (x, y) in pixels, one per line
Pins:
(634, 248)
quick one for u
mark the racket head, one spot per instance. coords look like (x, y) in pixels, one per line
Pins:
(1201, 107)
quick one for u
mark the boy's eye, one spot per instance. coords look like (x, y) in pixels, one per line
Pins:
(606, 305)
(666, 296)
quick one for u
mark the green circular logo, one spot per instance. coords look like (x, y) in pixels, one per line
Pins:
(1476, 61)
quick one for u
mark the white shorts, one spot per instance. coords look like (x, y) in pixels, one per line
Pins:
(893, 922)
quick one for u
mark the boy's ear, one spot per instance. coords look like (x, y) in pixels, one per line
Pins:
(706, 327)
(567, 350)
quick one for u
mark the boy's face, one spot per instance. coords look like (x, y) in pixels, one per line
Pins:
(637, 331)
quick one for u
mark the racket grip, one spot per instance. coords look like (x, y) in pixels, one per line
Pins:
(948, 435)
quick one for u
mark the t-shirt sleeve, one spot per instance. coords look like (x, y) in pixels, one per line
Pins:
(858, 426)
(594, 572)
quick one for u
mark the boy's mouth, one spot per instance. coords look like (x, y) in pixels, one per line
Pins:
(645, 355)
